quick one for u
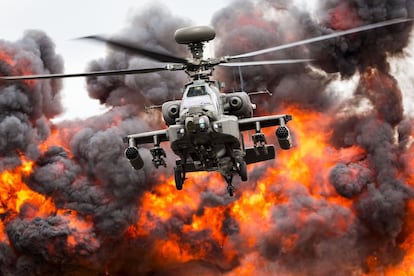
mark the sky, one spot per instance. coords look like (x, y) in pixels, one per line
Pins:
(64, 21)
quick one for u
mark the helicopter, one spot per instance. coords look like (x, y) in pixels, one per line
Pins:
(205, 128)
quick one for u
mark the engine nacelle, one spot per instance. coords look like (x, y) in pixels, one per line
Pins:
(132, 154)
(235, 103)
(238, 104)
(171, 112)
(283, 137)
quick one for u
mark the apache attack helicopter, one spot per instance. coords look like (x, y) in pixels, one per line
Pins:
(204, 127)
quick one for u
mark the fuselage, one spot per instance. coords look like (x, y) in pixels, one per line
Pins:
(205, 133)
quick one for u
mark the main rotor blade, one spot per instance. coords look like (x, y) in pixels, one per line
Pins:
(86, 74)
(320, 38)
(133, 49)
(265, 62)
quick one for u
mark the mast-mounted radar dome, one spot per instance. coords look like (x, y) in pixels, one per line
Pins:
(195, 37)
(195, 34)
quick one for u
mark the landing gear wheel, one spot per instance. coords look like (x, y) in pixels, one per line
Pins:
(242, 167)
(230, 190)
(230, 187)
(179, 179)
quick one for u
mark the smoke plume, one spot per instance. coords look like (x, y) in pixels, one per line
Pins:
(339, 202)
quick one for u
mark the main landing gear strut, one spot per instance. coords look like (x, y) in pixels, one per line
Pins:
(241, 169)
(230, 187)
(179, 174)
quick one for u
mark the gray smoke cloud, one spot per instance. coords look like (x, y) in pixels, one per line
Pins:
(153, 29)
(25, 107)
(87, 178)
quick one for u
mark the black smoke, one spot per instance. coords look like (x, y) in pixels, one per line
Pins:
(153, 29)
(87, 178)
(26, 107)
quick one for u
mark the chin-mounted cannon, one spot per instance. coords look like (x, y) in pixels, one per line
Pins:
(197, 124)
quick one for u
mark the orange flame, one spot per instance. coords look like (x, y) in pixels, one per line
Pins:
(344, 17)
(14, 193)
(21, 67)
(6, 58)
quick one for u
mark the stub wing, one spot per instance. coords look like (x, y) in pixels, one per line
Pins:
(264, 121)
(156, 137)
(261, 151)
(158, 154)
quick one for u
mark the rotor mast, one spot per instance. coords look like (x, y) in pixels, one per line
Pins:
(197, 49)
(194, 38)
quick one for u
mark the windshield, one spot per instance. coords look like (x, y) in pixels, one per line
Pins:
(196, 91)
(196, 101)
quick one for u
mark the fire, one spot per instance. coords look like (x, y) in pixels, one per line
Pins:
(14, 193)
(3, 236)
(58, 137)
(4, 57)
(18, 66)
(81, 229)
(344, 16)
(406, 266)
(312, 159)
(182, 226)
(17, 199)
(251, 212)
(164, 203)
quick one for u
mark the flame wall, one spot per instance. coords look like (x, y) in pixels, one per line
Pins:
(339, 202)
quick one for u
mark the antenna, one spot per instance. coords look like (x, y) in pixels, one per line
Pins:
(265, 91)
(152, 107)
(241, 79)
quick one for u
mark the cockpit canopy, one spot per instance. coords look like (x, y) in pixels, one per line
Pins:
(194, 91)
(200, 96)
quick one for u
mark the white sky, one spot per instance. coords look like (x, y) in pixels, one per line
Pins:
(65, 20)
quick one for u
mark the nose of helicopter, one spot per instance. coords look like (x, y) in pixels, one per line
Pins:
(194, 124)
